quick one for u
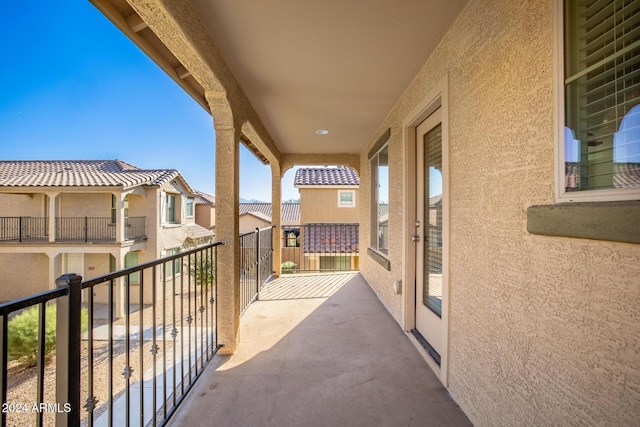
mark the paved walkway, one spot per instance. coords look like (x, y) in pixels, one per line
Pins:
(319, 351)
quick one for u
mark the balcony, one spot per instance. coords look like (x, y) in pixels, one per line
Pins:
(316, 345)
(68, 229)
(320, 349)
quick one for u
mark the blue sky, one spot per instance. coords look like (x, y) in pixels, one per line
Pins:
(74, 87)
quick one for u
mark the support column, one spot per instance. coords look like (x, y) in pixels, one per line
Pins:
(120, 217)
(276, 217)
(228, 230)
(52, 217)
(227, 221)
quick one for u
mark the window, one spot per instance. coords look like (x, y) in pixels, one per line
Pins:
(189, 208)
(346, 198)
(380, 200)
(173, 267)
(171, 208)
(600, 134)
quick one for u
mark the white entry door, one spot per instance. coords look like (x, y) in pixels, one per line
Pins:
(74, 263)
(429, 236)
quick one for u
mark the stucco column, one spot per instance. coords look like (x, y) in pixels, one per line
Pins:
(276, 217)
(228, 231)
(52, 217)
(120, 217)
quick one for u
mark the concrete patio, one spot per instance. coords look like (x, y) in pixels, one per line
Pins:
(319, 350)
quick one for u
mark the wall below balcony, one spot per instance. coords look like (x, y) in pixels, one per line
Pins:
(543, 330)
(23, 274)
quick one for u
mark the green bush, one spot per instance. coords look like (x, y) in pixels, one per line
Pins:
(288, 267)
(204, 271)
(22, 338)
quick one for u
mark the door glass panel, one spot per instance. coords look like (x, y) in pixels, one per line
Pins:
(432, 283)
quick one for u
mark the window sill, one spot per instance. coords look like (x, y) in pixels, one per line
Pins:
(379, 258)
(171, 225)
(611, 221)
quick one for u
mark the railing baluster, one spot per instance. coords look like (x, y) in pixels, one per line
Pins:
(164, 342)
(91, 399)
(155, 346)
(127, 369)
(42, 330)
(141, 352)
(68, 329)
(4, 359)
(111, 308)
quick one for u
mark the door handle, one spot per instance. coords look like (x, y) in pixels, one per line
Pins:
(415, 238)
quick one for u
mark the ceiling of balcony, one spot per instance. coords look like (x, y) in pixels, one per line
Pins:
(305, 66)
(335, 65)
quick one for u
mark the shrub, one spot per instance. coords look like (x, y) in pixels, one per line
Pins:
(288, 267)
(22, 339)
(204, 271)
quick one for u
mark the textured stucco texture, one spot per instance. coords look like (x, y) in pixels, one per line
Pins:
(543, 330)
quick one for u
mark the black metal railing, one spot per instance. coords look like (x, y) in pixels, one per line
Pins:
(134, 227)
(24, 229)
(256, 263)
(149, 332)
(320, 247)
(85, 229)
(96, 229)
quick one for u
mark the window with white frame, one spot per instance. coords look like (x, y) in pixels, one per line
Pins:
(380, 200)
(171, 208)
(600, 131)
(189, 207)
(346, 198)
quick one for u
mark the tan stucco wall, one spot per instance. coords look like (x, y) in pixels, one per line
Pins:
(543, 330)
(23, 205)
(249, 223)
(205, 216)
(84, 204)
(22, 275)
(320, 205)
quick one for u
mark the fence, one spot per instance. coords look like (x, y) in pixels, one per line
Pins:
(128, 354)
(320, 247)
(256, 263)
(24, 229)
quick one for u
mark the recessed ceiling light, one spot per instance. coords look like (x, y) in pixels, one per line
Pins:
(322, 131)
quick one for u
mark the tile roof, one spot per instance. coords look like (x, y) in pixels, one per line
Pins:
(80, 173)
(204, 198)
(326, 176)
(330, 238)
(290, 211)
(626, 175)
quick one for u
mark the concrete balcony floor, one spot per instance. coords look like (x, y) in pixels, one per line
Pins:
(319, 350)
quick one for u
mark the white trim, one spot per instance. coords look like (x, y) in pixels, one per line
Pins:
(561, 196)
(353, 199)
(437, 97)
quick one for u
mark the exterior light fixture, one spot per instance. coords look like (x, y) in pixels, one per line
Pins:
(322, 131)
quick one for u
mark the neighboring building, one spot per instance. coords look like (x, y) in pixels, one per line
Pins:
(205, 210)
(328, 195)
(258, 215)
(88, 217)
(329, 236)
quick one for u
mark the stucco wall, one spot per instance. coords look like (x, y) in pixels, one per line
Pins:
(22, 275)
(543, 330)
(205, 216)
(85, 204)
(23, 205)
(250, 223)
(318, 205)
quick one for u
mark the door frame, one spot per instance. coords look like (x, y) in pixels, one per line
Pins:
(436, 97)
